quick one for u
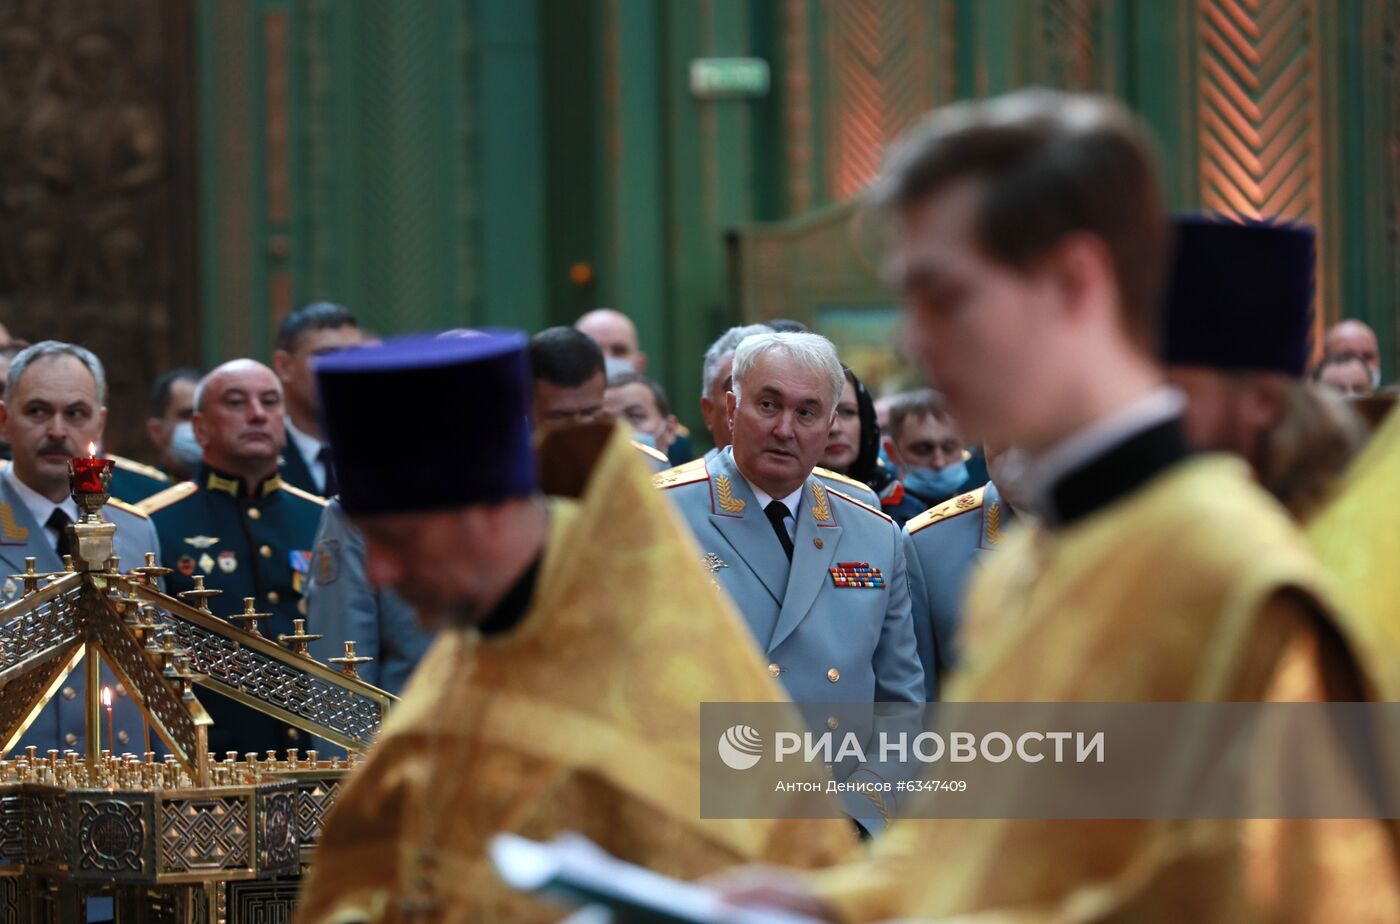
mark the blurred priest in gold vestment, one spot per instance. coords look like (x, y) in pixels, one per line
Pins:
(576, 642)
(1031, 242)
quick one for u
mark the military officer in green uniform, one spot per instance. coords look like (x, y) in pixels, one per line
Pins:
(240, 526)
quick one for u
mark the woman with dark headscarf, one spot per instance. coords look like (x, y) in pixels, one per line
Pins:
(853, 447)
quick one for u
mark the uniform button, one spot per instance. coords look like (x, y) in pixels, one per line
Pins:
(69, 693)
(832, 722)
(817, 542)
(265, 551)
(123, 737)
(833, 675)
(121, 690)
(774, 670)
(254, 513)
(301, 606)
(293, 735)
(274, 597)
(70, 739)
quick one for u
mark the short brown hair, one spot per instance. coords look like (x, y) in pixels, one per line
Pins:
(917, 405)
(1053, 164)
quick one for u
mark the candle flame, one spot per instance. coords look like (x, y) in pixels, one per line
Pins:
(106, 696)
(92, 450)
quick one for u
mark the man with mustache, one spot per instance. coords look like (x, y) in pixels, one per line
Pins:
(54, 409)
(240, 526)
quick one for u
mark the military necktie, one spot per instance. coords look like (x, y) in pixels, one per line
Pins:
(324, 457)
(59, 520)
(777, 513)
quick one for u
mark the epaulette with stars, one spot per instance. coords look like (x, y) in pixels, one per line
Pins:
(956, 506)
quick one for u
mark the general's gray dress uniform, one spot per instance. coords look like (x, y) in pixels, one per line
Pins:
(342, 605)
(942, 545)
(828, 635)
(61, 724)
(843, 483)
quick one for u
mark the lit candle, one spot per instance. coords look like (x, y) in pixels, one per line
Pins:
(86, 473)
(111, 729)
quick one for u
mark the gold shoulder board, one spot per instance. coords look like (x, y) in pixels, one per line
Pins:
(837, 476)
(140, 468)
(687, 473)
(170, 495)
(129, 508)
(655, 453)
(861, 504)
(304, 495)
(950, 508)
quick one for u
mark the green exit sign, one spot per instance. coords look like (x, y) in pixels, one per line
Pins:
(717, 78)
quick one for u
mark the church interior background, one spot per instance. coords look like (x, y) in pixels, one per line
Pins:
(176, 175)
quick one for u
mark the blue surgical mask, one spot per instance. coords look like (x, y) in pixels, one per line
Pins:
(184, 448)
(935, 484)
(646, 439)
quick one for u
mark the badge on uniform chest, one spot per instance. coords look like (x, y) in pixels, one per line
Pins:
(856, 574)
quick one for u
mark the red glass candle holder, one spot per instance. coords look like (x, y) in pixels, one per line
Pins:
(89, 475)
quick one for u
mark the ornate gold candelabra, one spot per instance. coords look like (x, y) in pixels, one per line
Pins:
(180, 837)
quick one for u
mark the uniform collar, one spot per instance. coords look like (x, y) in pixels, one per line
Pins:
(211, 479)
(39, 506)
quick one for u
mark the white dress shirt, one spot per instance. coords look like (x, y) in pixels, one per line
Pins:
(790, 502)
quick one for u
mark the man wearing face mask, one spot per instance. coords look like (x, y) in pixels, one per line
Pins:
(640, 401)
(930, 451)
(169, 427)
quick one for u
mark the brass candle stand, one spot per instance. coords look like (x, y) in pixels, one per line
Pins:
(184, 836)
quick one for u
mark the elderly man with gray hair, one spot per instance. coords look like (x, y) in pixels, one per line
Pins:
(718, 381)
(818, 575)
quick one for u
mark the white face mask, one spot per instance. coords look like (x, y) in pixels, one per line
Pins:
(184, 448)
(613, 366)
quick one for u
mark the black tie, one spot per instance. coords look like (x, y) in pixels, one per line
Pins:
(59, 520)
(324, 457)
(778, 513)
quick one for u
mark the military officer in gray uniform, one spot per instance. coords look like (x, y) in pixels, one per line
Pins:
(54, 408)
(718, 378)
(343, 605)
(818, 575)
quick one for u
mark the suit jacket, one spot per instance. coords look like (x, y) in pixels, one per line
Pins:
(296, 472)
(61, 724)
(942, 547)
(828, 636)
(342, 605)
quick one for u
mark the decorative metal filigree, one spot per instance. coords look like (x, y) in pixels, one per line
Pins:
(205, 833)
(284, 689)
(40, 631)
(278, 835)
(112, 836)
(146, 685)
(24, 697)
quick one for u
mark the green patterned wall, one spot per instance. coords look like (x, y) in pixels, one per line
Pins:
(440, 162)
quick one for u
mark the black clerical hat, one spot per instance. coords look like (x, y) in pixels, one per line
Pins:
(429, 422)
(1239, 296)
